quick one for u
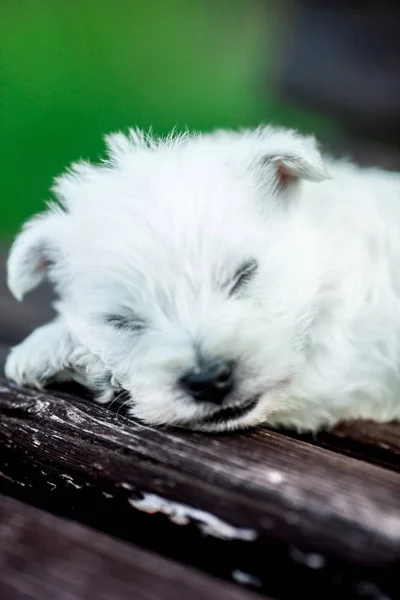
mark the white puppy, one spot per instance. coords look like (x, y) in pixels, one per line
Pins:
(222, 280)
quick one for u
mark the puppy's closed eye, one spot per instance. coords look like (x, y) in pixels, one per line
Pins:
(243, 275)
(129, 322)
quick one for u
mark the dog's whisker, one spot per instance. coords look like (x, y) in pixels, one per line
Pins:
(124, 404)
(121, 396)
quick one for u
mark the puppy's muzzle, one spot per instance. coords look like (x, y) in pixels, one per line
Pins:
(210, 383)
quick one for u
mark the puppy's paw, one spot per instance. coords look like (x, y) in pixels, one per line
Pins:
(50, 354)
(43, 357)
(90, 371)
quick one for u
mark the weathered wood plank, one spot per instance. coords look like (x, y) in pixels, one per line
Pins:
(265, 502)
(43, 557)
(378, 443)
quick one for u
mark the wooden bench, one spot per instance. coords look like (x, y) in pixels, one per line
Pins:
(173, 514)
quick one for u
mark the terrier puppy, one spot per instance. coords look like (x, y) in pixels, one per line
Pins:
(222, 280)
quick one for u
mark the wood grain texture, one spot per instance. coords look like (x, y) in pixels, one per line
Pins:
(378, 443)
(223, 502)
(43, 557)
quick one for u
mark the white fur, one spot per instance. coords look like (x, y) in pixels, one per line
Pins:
(159, 230)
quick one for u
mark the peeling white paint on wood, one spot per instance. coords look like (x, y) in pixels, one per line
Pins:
(246, 578)
(11, 479)
(312, 560)
(275, 477)
(181, 514)
(69, 480)
(56, 418)
(75, 417)
(126, 486)
(38, 403)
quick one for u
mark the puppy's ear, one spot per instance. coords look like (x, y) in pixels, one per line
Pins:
(287, 157)
(31, 254)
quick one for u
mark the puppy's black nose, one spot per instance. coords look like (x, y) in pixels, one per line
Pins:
(211, 383)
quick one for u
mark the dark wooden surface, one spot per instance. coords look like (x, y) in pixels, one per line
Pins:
(43, 557)
(260, 503)
(377, 443)
(261, 493)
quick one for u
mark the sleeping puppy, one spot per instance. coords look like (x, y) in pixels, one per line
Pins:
(222, 280)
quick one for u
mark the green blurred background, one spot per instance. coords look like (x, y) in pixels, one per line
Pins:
(71, 71)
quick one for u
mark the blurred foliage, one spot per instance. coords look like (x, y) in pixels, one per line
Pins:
(72, 71)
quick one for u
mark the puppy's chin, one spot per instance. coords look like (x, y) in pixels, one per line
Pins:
(242, 415)
(228, 418)
(252, 412)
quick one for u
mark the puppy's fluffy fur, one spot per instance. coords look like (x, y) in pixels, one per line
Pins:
(149, 253)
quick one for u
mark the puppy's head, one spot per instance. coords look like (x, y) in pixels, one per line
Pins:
(186, 265)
